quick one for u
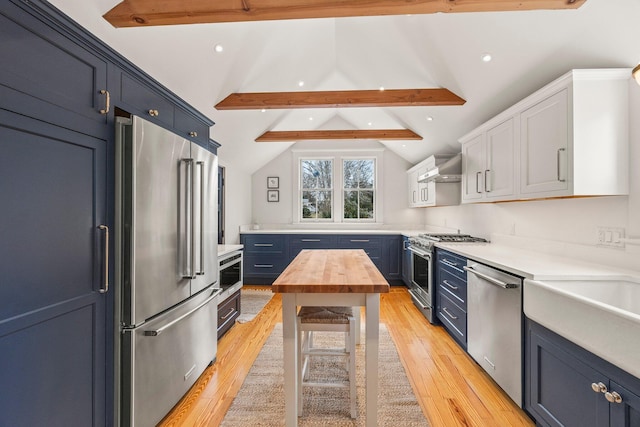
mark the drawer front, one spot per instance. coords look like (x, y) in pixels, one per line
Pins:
(454, 287)
(190, 127)
(263, 243)
(454, 319)
(263, 265)
(452, 263)
(228, 311)
(312, 241)
(359, 242)
(146, 103)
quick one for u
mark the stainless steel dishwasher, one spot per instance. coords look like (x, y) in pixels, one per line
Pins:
(494, 325)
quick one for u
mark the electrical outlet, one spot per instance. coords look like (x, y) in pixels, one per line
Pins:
(610, 237)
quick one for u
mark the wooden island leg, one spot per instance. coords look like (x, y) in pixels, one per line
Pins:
(371, 357)
(290, 341)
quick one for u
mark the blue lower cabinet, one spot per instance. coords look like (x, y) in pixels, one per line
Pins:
(450, 287)
(406, 261)
(566, 385)
(298, 242)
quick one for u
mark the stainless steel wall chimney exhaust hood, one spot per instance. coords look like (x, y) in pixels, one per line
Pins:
(445, 171)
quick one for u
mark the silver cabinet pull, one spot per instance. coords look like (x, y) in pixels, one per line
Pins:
(202, 170)
(478, 182)
(450, 263)
(107, 103)
(449, 314)
(310, 240)
(491, 280)
(105, 289)
(613, 397)
(486, 182)
(599, 387)
(263, 245)
(263, 265)
(156, 332)
(455, 288)
(560, 150)
(359, 240)
(414, 196)
(229, 313)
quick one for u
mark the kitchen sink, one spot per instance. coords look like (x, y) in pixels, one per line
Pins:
(602, 316)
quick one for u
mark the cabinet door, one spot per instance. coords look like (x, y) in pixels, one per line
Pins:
(544, 147)
(499, 176)
(406, 261)
(46, 76)
(560, 387)
(473, 161)
(414, 192)
(52, 269)
(627, 412)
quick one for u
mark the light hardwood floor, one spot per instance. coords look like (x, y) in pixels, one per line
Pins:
(451, 388)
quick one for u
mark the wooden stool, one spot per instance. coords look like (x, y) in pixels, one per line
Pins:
(337, 319)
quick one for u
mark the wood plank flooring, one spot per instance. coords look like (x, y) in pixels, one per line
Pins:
(451, 388)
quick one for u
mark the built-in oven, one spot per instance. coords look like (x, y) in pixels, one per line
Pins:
(231, 271)
(421, 281)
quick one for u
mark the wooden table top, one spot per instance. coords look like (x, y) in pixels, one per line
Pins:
(331, 271)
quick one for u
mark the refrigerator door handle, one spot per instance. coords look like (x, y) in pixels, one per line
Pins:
(200, 271)
(187, 245)
(156, 332)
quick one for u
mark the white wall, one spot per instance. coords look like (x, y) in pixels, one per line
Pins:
(237, 200)
(563, 220)
(394, 185)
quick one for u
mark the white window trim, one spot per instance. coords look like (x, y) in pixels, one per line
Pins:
(338, 187)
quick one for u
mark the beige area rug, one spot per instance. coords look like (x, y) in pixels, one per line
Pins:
(252, 301)
(260, 401)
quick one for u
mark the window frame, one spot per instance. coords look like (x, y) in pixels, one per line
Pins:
(337, 191)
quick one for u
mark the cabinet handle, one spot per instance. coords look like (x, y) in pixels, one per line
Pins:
(263, 245)
(107, 101)
(560, 150)
(478, 182)
(599, 387)
(309, 240)
(263, 265)
(486, 182)
(455, 288)
(449, 314)
(414, 196)
(105, 289)
(193, 134)
(450, 263)
(231, 311)
(613, 397)
(154, 113)
(359, 241)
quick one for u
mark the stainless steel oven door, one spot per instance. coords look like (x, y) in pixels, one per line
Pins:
(421, 289)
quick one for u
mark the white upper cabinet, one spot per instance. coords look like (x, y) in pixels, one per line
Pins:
(570, 138)
(425, 194)
(488, 164)
(414, 192)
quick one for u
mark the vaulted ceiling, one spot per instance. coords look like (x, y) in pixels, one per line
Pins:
(442, 50)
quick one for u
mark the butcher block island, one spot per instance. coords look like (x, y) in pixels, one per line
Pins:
(330, 277)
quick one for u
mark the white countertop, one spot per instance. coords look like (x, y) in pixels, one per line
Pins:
(404, 232)
(227, 249)
(533, 264)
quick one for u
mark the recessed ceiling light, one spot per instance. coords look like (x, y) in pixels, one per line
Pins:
(301, 83)
(486, 57)
(370, 123)
(310, 118)
(263, 110)
(218, 48)
(429, 118)
(404, 145)
(381, 88)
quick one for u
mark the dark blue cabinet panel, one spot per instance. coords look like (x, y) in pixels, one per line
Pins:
(560, 381)
(450, 287)
(298, 242)
(46, 76)
(406, 261)
(52, 316)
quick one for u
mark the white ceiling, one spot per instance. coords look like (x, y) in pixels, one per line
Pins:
(529, 49)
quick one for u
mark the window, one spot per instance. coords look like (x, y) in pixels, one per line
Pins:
(358, 188)
(316, 185)
(340, 187)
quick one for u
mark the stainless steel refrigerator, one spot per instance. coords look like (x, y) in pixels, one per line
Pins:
(166, 268)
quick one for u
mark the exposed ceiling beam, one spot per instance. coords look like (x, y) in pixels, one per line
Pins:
(139, 13)
(340, 99)
(307, 135)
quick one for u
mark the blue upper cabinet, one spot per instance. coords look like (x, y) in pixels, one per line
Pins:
(47, 77)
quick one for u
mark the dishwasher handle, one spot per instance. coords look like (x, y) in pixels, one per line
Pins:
(491, 280)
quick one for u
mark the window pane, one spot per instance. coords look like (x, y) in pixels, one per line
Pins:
(350, 169)
(366, 204)
(351, 204)
(367, 175)
(324, 204)
(316, 173)
(309, 204)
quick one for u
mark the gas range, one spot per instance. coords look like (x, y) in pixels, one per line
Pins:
(427, 240)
